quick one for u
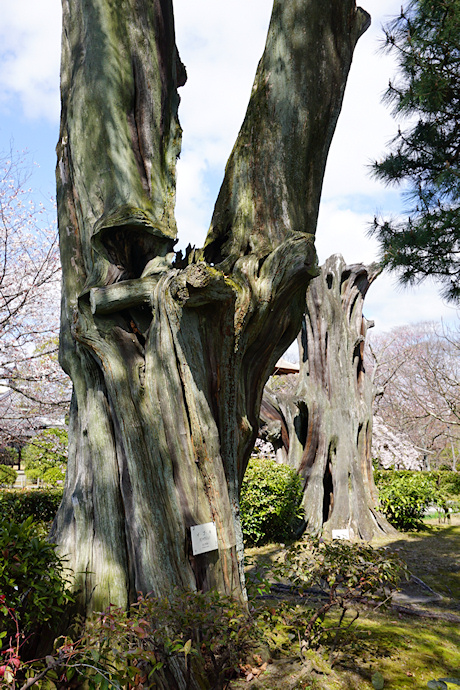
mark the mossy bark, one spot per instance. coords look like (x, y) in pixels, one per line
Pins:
(168, 361)
(325, 425)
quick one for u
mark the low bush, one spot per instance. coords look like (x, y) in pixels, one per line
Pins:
(270, 499)
(205, 634)
(330, 577)
(210, 636)
(405, 496)
(7, 475)
(32, 582)
(39, 504)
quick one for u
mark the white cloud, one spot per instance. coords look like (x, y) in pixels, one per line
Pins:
(29, 60)
(343, 231)
(391, 305)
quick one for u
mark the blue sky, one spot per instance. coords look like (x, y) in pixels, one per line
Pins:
(220, 43)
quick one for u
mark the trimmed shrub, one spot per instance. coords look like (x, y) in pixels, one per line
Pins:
(270, 500)
(405, 496)
(39, 504)
(7, 475)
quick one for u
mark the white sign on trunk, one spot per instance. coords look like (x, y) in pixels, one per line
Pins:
(204, 538)
(340, 534)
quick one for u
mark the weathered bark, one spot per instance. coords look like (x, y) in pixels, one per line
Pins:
(323, 428)
(169, 362)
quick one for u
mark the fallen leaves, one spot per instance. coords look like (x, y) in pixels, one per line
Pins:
(251, 672)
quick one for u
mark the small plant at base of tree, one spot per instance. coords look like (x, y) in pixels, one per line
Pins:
(331, 576)
(208, 633)
(10, 660)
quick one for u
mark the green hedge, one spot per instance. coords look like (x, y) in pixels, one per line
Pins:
(448, 481)
(7, 475)
(405, 496)
(39, 504)
(270, 499)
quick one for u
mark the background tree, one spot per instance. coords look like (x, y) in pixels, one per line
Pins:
(324, 425)
(45, 456)
(424, 156)
(416, 370)
(393, 449)
(168, 361)
(33, 386)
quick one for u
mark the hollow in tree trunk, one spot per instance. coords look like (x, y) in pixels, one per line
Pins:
(168, 360)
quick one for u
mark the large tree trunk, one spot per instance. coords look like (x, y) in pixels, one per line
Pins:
(168, 362)
(323, 427)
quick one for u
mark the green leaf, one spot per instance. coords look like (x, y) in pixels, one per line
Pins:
(455, 681)
(436, 685)
(378, 681)
(70, 673)
(133, 672)
(187, 647)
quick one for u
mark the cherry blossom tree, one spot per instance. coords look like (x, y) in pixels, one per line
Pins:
(34, 389)
(394, 450)
(417, 375)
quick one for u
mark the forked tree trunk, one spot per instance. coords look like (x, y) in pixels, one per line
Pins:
(325, 425)
(168, 362)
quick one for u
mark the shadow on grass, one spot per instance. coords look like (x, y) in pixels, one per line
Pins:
(407, 652)
(433, 555)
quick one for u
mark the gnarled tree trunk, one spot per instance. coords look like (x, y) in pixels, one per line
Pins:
(168, 362)
(324, 426)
